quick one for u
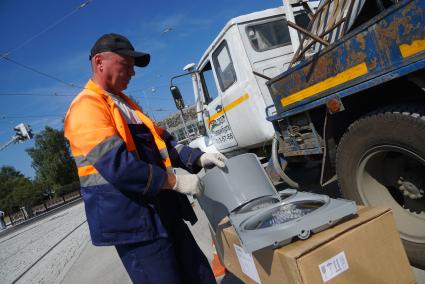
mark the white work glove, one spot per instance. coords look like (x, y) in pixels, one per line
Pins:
(209, 160)
(188, 184)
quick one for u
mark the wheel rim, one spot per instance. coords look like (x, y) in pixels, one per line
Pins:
(381, 184)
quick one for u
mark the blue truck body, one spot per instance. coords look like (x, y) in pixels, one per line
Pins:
(388, 46)
(357, 105)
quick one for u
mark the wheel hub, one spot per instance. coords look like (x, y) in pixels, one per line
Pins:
(409, 189)
(390, 175)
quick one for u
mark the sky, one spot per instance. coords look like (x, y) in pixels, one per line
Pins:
(47, 44)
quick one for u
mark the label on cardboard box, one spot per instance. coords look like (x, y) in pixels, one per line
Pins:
(333, 266)
(247, 263)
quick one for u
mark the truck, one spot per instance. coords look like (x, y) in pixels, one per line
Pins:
(349, 95)
(225, 86)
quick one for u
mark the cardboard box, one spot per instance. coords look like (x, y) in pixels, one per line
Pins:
(365, 249)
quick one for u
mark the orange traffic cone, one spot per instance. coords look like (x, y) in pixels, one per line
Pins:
(217, 268)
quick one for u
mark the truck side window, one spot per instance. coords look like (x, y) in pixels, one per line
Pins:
(223, 66)
(268, 35)
(209, 88)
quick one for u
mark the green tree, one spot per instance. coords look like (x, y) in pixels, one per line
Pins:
(52, 161)
(16, 190)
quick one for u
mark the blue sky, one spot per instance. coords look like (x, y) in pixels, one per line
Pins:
(54, 38)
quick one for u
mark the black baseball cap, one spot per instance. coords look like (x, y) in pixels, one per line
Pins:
(121, 45)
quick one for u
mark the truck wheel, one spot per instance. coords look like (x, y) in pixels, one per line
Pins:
(381, 163)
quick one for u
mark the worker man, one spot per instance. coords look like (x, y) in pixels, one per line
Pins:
(133, 199)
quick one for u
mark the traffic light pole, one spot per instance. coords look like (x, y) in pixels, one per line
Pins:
(23, 133)
(13, 140)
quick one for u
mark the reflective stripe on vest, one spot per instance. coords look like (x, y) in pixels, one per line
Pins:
(88, 174)
(85, 164)
(155, 131)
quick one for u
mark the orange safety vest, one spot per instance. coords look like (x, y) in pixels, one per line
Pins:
(104, 125)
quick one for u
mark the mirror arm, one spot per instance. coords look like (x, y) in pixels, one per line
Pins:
(181, 75)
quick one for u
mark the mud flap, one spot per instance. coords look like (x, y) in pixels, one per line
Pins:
(328, 172)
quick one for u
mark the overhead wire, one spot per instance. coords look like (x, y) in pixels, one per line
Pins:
(156, 87)
(35, 95)
(52, 95)
(6, 56)
(72, 85)
(30, 116)
(41, 73)
(81, 6)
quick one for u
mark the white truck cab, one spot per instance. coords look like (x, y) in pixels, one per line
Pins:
(231, 100)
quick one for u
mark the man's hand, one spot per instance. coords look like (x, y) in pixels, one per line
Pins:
(209, 160)
(188, 184)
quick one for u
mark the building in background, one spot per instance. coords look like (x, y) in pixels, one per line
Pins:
(174, 124)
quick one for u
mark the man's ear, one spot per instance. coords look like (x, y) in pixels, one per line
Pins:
(98, 62)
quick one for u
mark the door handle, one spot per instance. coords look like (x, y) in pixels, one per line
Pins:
(218, 108)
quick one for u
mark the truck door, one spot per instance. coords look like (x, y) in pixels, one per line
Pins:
(215, 120)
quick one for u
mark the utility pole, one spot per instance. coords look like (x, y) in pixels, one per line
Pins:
(13, 140)
(23, 132)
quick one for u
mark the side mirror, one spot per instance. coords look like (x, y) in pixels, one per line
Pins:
(177, 96)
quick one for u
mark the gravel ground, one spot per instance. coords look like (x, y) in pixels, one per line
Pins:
(40, 252)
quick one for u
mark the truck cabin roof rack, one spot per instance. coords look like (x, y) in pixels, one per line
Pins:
(332, 20)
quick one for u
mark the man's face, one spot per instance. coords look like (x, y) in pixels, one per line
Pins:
(117, 71)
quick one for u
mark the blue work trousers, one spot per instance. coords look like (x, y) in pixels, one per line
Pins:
(174, 260)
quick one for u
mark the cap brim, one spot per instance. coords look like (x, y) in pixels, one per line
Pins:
(141, 59)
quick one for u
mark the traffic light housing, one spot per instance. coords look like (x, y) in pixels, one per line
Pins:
(23, 132)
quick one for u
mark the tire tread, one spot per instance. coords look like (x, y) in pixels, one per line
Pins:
(415, 115)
